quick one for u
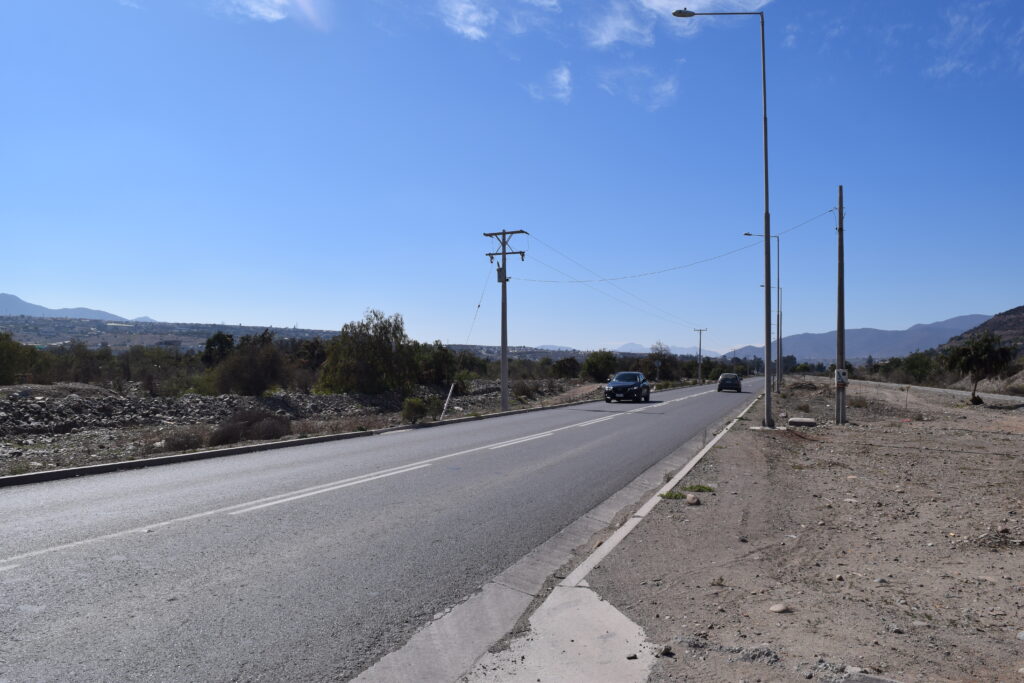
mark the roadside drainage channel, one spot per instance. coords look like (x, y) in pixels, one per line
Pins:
(458, 640)
(102, 468)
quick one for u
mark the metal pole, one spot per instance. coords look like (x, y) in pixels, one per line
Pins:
(769, 421)
(700, 352)
(504, 326)
(778, 316)
(840, 326)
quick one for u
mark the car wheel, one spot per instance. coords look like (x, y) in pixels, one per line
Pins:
(719, 388)
(607, 400)
(647, 397)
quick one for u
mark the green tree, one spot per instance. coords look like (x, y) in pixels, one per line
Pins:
(254, 366)
(661, 363)
(599, 365)
(370, 356)
(566, 368)
(980, 357)
(217, 348)
(11, 358)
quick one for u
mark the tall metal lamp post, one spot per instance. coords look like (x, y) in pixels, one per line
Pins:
(769, 421)
(778, 309)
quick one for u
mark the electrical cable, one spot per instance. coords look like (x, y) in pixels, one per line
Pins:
(613, 284)
(599, 291)
(476, 312)
(671, 268)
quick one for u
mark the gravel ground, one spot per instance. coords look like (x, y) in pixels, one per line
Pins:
(893, 546)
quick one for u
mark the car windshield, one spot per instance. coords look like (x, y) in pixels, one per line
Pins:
(627, 377)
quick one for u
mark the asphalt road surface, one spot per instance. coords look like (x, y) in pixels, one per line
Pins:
(306, 563)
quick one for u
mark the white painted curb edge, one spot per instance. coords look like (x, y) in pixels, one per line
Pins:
(580, 573)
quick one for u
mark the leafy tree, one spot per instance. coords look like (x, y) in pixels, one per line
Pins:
(566, 368)
(980, 357)
(11, 358)
(217, 348)
(370, 356)
(599, 365)
(669, 362)
(254, 366)
(436, 363)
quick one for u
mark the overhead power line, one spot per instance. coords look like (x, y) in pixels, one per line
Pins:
(663, 270)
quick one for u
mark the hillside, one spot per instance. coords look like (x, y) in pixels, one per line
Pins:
(1008, 326)
(11, 305)
(866, 341)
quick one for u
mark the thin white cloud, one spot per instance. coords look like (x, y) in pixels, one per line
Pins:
(469, 18)
(557, 86)
(641, 85)
(561, 83)
(958, 48)
(550, 5)
(790, 39)
(621, 24)
(313, 12)
(633, 21)
(264, 10)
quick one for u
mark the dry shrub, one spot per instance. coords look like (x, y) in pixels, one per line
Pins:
(250, 425)
(186, 438)
(341, 425)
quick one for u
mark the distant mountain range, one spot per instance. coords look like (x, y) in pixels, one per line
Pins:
(12, 305)
(677, 350)
(866, 341)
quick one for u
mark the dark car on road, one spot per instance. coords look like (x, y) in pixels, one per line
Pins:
(627, 385)
(729, 380)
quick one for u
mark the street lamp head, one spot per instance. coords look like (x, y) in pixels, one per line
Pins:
(684, 13)
(749, 234)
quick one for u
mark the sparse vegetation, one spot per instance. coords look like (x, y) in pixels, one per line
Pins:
(250, 425)
(414, 409)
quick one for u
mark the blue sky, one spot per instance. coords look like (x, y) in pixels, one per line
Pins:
(296, 162)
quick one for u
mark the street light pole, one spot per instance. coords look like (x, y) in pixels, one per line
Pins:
(769, 421)
(778, 309)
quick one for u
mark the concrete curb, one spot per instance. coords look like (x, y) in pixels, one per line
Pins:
(579, 574)
(70, 472)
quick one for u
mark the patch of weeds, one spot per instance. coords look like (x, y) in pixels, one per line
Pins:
(186, 438)
(698, 488)
(19, 468)
(673, 495)
(804, 408)
(858, 402)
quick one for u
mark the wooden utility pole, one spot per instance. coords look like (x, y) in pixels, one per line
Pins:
(841, 377)
(503, 238)
(700, 337)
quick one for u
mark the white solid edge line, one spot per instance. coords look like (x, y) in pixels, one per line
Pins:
(10, 566)
(585, 567)
(333, 488)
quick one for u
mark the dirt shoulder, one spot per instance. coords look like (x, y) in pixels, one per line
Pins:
(895, 543)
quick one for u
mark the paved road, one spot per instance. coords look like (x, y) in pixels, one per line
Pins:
(306, 563)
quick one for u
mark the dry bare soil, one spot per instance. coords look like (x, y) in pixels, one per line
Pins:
(895, 545)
